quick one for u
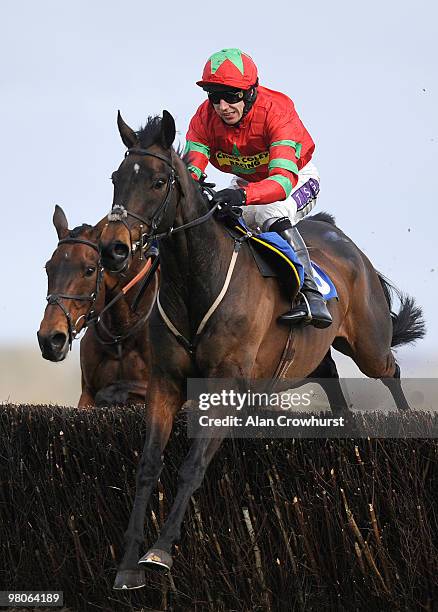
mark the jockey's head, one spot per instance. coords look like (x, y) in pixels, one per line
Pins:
(230, 79)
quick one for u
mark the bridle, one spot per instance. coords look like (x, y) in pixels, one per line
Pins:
(91, 317)
(54, 299)
(121, 213)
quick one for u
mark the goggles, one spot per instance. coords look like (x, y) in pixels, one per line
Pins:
(231, 97)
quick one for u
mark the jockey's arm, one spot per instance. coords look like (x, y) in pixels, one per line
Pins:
(291, 148)
(197, 151)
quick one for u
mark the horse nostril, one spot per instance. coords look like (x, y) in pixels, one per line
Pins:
(120, 250)
(114, 255)
(58, 340)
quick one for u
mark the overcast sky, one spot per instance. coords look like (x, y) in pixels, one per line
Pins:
(363, 78)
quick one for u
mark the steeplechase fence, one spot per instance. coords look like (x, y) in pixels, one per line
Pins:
(278, 525)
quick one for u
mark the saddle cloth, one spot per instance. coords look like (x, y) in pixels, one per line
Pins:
(275, 257)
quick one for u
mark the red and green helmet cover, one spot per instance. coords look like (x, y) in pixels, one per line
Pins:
(229, 67)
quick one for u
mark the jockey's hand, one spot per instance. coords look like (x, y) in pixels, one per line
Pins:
(230, 202)
(203, 183)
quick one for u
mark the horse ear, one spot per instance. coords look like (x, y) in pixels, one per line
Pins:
(168, 130)
(127, 134)
(60, 222)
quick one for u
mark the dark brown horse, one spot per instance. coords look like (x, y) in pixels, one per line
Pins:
(114, 350)
(154, 194)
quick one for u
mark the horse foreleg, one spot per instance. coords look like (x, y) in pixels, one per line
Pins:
(191, 475)
(87, 398)
(164, 401)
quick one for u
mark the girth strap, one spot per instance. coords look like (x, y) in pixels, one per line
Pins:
(191, 346)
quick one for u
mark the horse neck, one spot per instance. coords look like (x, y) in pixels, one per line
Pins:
(193, 262)
(119, 317)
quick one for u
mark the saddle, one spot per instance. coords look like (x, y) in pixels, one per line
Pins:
(275, 258)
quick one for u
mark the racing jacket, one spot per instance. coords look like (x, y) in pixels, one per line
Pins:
(267, 147)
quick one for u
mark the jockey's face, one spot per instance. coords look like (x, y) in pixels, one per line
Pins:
(229, 113)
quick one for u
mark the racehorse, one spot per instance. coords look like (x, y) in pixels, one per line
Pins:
(215, 322)
(114, 352)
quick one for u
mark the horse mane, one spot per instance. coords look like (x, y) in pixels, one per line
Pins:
(323, 216)
(149, 133)
(180, 152)
(78, 230)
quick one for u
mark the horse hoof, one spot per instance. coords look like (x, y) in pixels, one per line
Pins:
(129, 579)
(157, 559)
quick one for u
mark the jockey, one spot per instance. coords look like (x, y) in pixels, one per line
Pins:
(255, 134)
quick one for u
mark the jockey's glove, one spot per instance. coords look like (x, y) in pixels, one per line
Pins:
(203, 183)
(230, 202)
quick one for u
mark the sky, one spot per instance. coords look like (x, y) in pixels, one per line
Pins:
(363, 79)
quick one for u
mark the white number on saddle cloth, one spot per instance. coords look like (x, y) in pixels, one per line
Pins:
(323, 285)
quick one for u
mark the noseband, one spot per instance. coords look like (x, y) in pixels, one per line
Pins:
(54, 299)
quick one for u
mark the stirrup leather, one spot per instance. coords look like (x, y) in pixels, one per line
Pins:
(309, 317)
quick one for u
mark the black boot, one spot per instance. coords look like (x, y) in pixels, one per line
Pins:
(312, 309)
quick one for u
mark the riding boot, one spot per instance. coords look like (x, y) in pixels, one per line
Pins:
(312, 308)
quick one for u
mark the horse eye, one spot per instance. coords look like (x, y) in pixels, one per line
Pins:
(90, 271)
(159, 183)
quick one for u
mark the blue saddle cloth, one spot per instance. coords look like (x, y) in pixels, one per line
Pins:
(284, 251)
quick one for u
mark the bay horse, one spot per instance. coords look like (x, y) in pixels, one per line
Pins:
(154, 194)
(114, 352)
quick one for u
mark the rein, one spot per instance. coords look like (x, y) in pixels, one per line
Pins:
(146, 274)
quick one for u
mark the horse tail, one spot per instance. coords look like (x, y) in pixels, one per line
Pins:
(408, 323)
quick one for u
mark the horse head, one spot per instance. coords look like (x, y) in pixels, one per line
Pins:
(75, 286)
(144, 201)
